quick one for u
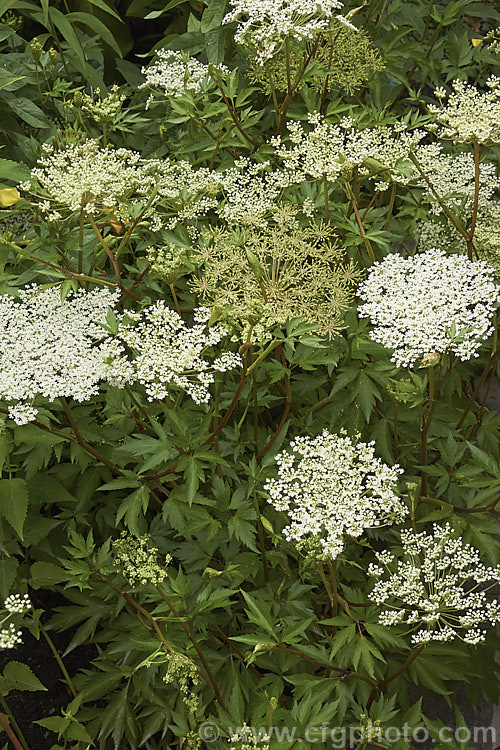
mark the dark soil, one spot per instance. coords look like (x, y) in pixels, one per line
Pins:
(29, 706)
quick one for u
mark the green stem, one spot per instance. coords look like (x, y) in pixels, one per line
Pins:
(174, 297)
(126, 236)
(277, 111)
(427, 21)
(190, 635)
(359, 222)
(300, 75)
(324, 665)
(426, 422)
(264, 354)
(262, 540)
(333, 584)
(38, 87)
(333, 600)
(73, 274)
(327, 202)
(391, 205)
(231, 109)
(443, 205)
(287, 59)
(230, 410)
(59, 660)
(80, 242)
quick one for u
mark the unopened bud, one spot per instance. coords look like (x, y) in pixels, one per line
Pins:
(36, 49)
(254, 264)
(430, 360)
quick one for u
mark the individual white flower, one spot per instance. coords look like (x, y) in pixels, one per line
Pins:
(10, 637)
(266, 23)
(468, 114)
(175, 73)
(17, 603)
(164, 351)
(430, 302)
(51, 347)
(332, 487)
(437, 584)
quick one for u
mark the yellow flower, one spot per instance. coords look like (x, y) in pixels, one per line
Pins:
(9, 196)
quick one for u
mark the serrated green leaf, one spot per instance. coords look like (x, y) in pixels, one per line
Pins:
(20, 677)
(44, 574)
(342, 637)
(14, 503)
(260, 615)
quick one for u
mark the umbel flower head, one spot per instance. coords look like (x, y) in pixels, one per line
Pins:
(438, 585)
(264, 24)
(14, 605)
(332, 487)
(264, 277)
(183, 671)
(431, 302)
(467, 114)
(138, 560)
(344, 58)
(328, 148)
(163, 351)
(85, 176)
(51, 347)
(175, 73)
(102, 108)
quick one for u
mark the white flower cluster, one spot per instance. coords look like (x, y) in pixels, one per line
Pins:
(251, 192)
(175, 73)
(17, 603)
(165, 351)
(332, 487)
(382, 153)
(103, 108)
(437, 584)
(327, 149)
(265, 23)
(51, 347)
(184, 191)
(83, 175)
(10, 637)
(430, 302)
(247, 738)
(467, 114)
(452, 177)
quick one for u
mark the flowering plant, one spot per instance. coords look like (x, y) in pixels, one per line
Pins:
(249, 442)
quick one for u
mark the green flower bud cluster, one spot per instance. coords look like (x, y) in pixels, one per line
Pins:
(138, 561)
(103, 109)
(182, 670)
(344, 59)
(169, 262)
